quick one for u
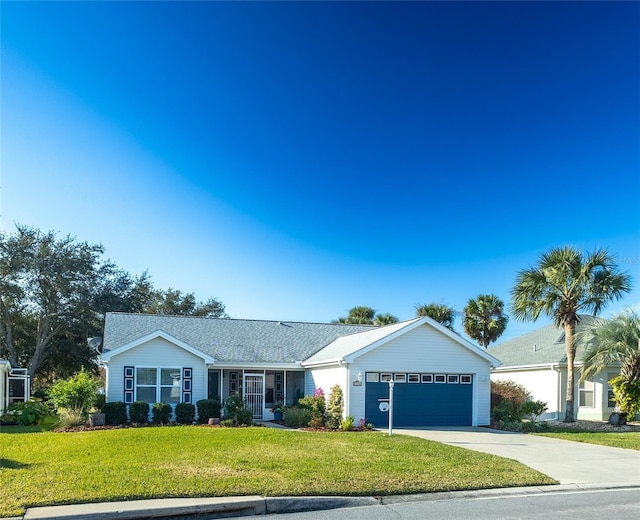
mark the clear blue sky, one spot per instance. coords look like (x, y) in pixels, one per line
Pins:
(297, 159)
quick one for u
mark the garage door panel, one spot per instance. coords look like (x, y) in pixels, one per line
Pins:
(420, 404)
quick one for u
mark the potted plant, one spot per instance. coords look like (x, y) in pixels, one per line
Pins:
(278, 410)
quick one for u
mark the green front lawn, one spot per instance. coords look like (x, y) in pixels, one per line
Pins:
(49, 468)
(627, 440)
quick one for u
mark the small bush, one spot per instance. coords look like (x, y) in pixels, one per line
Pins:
(79, 393)
(71, 418)
(185, 413)
(346, 424)
(297, 417)
(244, 417)
(509, 390)
(208, 408)
(317, 405)
(235, 409)
(335, 408)
(533, 409)
(115, 413)
(228, 423)
(626, 393)
(139, 412)
(507, 412)
(161, 413)
(29, 413)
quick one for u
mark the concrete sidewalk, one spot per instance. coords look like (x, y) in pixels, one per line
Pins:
(568, 462)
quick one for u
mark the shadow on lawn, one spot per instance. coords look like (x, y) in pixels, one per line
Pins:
(12, 464)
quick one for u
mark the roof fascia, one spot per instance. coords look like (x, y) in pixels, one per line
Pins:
(105, 357)
(256, 366)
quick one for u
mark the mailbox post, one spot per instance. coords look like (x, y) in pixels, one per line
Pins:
(390, 407)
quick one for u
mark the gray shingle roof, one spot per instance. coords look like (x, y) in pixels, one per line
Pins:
(231, 340)
(543, 346)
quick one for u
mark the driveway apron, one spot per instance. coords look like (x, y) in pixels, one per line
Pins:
(567, 462)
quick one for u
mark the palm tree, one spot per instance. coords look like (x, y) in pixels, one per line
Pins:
(484, 319)
(613, 342)
(385, 319)
(439, 312)
(564, 283)
(360, 315)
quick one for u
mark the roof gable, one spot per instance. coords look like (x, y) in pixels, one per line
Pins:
(154, 335)
(349, 348)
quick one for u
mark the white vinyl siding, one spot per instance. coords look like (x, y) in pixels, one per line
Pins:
(157, 353)
(428, 351)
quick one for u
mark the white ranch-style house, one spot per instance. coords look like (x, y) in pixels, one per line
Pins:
(440, 379)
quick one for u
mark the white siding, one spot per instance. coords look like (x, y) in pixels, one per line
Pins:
(325, 378)
(424, 349)
(543, 384)
(157, 352)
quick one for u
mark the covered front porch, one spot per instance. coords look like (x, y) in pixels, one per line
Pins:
(260, 388)
(14, 385)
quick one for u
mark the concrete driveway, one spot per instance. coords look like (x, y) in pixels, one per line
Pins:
(565, 461)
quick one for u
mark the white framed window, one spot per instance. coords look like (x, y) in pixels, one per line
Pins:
(372, 377)
(155, 385)
(427, 378)
(465, 379)
(453, 379)
(400, 378)
(385, 376)
(440, 378)
(586, 394)
(414, 378)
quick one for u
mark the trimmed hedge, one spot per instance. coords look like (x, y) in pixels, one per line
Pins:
(161, 413)
(139, 412)
(115, 413)
(185, 413)
(208, 408)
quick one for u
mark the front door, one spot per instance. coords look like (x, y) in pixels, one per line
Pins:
(254, 394)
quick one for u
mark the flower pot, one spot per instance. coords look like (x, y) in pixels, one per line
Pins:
(97, 419)
(277, 415)
(213, 421)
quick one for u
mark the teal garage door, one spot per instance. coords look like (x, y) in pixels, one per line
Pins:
(420, 399)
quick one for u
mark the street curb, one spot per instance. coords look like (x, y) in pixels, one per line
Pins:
(221, 507)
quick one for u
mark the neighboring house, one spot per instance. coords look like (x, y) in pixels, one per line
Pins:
(440, 378)
(538, 361)
(14, 385)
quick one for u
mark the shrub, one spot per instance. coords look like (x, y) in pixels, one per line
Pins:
(185, 413)
(115, 413)
(316, 404)
(208, 408)
(626, 393)
(507, 412)
(71, 418)
(533, 409)
(78, 393)
(510, 390)
(346, 424)
(139, 412)
(28, 413)
(228, 423)
(297, 417)
(335, 408)
(161, 413)
(235, 409)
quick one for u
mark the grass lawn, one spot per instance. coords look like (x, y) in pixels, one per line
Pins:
(628, 440)
(47, 468)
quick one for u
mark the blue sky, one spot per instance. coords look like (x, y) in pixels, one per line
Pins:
(296, 159)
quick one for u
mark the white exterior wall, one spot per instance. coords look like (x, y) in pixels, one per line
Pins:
(422, 349)
(325, 378)
(544, 384)
(158, 353)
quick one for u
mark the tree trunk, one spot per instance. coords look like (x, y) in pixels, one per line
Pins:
(570, 346)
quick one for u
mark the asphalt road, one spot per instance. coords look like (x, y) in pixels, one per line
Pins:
(618, 503)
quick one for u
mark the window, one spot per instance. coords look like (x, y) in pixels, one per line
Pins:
(611, 402)
(400, 378)
(440, 378)
(385, 377)
(427, 378)
(155, 385)
(373, 377)
(414, 378)
(453, 379)
(586, 394)
(465, 379)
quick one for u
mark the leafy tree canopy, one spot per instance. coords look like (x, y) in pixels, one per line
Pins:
(439, 312)
(54, 293)
(363, 315)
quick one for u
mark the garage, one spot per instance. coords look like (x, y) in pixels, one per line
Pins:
(419, 399)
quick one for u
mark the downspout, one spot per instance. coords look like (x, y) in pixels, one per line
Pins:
(556, 369)
(347, 400)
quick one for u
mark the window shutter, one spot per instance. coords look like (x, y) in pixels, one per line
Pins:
(128, 384)
(186, 385)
